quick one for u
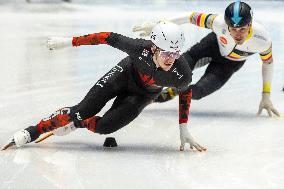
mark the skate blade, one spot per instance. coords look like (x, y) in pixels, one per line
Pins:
(44, 137)
(9, 145)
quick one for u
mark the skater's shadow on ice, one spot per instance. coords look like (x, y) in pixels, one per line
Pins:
(224, 114)
(142, 149)
(204, 114)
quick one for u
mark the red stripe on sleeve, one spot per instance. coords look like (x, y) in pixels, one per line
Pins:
(265, 60)
(198, 20)
(184, 106)
(91, 39)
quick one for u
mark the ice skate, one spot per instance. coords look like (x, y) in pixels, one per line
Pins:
(19, 139)
(23, 137)
(47, 135)
(10, 144)
(61, 131)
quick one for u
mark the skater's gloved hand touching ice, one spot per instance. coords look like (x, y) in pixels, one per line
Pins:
(144, 29)
(266, 103)
(185, 137)
(59, 42)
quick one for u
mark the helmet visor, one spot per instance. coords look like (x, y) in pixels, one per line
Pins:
(169, 55)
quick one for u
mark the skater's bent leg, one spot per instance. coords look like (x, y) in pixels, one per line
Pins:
(216, 75)
(104, 90)
(214, 78)
(93, 102)
(122, 115)
(123, 111)
(208, 84)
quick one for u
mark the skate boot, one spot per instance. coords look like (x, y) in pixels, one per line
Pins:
(61, 131)
(23, 137)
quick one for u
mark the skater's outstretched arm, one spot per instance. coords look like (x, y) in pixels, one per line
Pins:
(267, 72)
(195, 18)
(123, 43)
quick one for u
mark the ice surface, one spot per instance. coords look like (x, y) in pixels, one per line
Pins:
(244, 151)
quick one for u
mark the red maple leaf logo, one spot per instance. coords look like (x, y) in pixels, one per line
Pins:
(146, 79)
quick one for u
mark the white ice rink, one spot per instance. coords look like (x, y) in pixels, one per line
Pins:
(244, 151)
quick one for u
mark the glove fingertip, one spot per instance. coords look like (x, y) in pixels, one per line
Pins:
(269, 113)
(276, 112)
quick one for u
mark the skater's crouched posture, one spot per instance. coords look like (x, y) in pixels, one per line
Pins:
(134, 83)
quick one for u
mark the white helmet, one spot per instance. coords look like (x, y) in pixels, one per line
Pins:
(168, 36)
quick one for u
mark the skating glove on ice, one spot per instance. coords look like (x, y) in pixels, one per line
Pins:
(59, 42)
(185, 137)
(266, 103)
